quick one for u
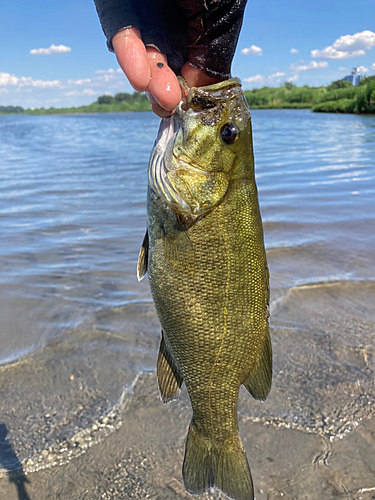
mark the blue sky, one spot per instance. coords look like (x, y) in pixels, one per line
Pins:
(328, 37)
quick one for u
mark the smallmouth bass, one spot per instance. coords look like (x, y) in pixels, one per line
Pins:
(206, 262)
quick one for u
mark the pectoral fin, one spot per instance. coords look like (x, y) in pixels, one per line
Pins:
(258, 383)
(143, 259)
(169, 376)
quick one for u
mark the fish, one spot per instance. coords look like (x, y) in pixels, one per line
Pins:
(206, 262)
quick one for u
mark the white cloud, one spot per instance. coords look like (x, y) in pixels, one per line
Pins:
(294, 51)
(106, 75)
(293, 78)
(38, 83)
(361, 69)
(271, 79)
(112, 77)
(347, 46)
(254, 79)
(307, 66)
(275, 78)
(30, 92)
(109, 71)
(7, 79)
(252, 51)
(82, 81)
(332, 53)
(76, 93)
(373, 66)
(54, 49)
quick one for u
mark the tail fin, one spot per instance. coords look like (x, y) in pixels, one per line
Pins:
(224, 466)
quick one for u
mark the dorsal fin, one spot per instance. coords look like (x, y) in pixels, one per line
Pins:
(143, 259)
(169, 376)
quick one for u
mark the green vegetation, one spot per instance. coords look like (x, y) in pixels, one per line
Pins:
(286, 96)
(6, 110)
(338, 97)
(339, 84)
(359, 99)
(105, 104)
(338, 106)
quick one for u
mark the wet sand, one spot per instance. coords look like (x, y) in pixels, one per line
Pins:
(143, 458)
(313, 439)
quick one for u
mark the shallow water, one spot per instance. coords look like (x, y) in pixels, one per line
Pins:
(79, 335)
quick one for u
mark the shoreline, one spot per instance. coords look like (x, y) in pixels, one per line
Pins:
(273, 107)
(338, 97)
(318, 410)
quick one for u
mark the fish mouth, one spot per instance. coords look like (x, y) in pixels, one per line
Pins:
(163, 160)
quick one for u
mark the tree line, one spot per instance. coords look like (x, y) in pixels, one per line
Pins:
(338, 97)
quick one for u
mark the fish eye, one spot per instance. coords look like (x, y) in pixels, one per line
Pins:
(229, 133)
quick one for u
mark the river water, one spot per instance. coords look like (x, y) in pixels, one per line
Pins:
(79, 335)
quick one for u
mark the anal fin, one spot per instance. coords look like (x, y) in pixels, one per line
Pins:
(258, 382)
(169, 376)
(143, 259)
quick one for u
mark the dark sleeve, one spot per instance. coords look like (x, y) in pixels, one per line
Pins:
(203, 32)
(147, 15)
(213, 30)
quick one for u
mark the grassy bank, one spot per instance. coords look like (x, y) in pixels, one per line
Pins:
(286, 96)
(339, 97)
(359, 99)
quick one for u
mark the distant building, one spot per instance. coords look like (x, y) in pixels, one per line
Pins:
(354, 78)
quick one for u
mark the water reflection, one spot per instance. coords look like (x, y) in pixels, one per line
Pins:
(9, 461)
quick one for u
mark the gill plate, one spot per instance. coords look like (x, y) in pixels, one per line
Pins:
(161, 163)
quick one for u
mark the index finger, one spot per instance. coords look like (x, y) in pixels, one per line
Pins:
(132, 57)
(147, 70)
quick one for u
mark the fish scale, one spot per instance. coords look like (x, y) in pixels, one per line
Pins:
(209, 280)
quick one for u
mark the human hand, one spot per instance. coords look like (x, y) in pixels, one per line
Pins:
(147, 71)
(199, 37)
